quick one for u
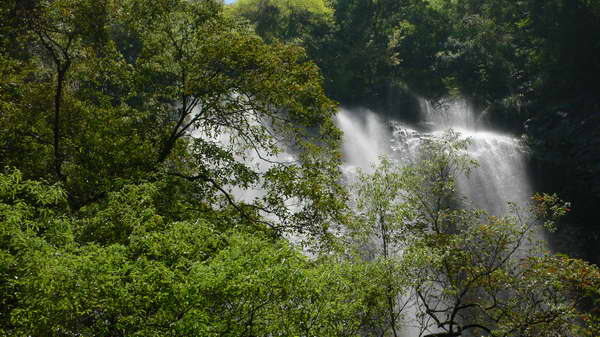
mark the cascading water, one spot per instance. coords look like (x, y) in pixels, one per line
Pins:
(365, 139)
(501, 175)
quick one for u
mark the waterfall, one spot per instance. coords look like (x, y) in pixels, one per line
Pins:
(502, 174)
(366, 137)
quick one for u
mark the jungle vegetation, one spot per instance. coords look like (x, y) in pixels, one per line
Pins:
(529, 67)
(172, 168)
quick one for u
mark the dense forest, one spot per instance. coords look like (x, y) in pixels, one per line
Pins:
(173, 168)
(529, 66)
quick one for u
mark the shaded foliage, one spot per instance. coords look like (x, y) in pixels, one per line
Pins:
(529, 67)
(158, 157)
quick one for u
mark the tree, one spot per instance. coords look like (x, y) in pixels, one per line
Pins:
(380, 231)
(122, 219)
(129, 269)
(287, 21)
(393, 205)
(470, 272)
(486, 279)
(130, 130)
(176, 88)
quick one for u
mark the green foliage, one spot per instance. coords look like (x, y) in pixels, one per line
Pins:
(131, 124)
(31, 208)
(160, 277)
(174, 88)
(379, 233)
(378, 199)
(483, 281)
(467, 271)
(296, 21)
(131, 128)
(30, 217)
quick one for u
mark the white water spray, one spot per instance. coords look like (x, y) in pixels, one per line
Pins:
(502, 174)
(366, 138)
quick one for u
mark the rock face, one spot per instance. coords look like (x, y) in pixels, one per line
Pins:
(565, 142)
